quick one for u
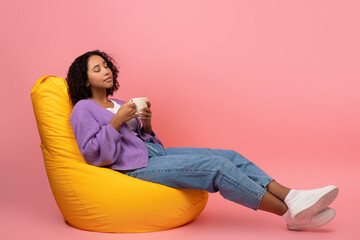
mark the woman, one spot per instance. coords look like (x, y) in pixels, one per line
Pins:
(110, 134)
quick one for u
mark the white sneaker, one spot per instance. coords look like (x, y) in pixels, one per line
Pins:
(319, 219)
(308, 202)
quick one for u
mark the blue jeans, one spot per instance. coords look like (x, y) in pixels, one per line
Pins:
(237, 179)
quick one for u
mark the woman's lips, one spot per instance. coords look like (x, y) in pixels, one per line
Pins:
(108, 79)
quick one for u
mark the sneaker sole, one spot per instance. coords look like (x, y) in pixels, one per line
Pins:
(319, 205)
(310, 226)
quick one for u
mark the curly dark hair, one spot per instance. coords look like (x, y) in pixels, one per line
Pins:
(77, 77)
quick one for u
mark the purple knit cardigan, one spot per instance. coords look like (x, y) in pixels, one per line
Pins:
(100, 143)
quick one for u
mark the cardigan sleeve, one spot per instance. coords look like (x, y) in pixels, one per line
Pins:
(97, 144)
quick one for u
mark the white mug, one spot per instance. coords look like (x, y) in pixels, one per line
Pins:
(139, 103)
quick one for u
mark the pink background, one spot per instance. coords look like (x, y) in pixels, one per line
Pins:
(277, 81)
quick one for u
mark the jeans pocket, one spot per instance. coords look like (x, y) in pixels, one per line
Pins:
(152, 151)
(151, 147)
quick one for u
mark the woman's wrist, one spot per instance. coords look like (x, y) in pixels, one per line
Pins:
(116, 123)
(147, 129)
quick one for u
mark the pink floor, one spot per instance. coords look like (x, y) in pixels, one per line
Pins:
(32, 213)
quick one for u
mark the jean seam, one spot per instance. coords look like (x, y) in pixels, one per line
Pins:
(236, 183)
(257, 196)
(202, 170)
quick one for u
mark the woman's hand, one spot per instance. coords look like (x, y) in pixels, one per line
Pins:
(125, 113)
(145, 115)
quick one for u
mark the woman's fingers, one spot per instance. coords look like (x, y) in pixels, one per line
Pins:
(144, 116)
(145, 109)
(145, 113)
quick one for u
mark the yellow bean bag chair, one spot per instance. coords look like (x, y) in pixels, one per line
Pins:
(100, 199)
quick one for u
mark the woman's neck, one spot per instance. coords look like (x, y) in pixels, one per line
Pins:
(99, 96)
(100, 100)
(104, 102)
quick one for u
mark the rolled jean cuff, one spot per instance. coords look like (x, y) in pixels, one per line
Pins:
(267, 182)
(262, 193)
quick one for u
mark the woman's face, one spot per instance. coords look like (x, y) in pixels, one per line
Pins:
(99, 74)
